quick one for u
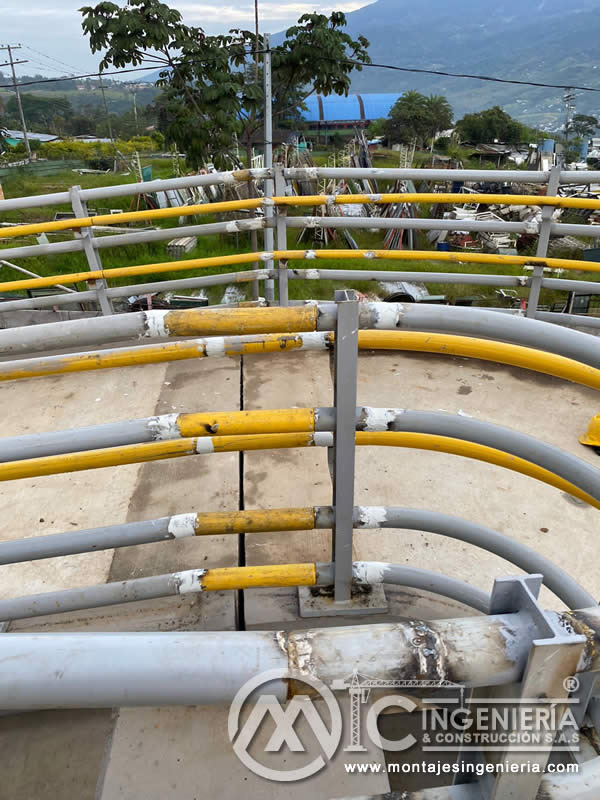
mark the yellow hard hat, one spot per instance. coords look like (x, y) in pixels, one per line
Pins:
(592, 435)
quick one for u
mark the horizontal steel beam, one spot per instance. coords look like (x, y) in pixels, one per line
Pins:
(384, 276)
(391, 223)
(442, 175)
(320, 517)
(179, 284)
(127, 189)
(105, 670)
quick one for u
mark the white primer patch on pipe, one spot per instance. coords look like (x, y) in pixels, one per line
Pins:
(164, 427)
(268, 201)
(182, 525)
(312, 274)
(374, 198)
(372, 516)
(369, 571)
(312, 172)
(214, 347)
(310, 254)
(232, 227)
(205, 445)
(387, 315)
(312, 222)
(155, 324)
(378, 419)
(228, 178)
(189, 581)
(314, 340)
(266, 256)
(323, 439)
(370, 254)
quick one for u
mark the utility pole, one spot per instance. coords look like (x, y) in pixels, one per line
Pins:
(110, 133)
(12, 63)
(568, 98)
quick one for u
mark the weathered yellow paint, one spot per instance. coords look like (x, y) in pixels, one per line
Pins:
(458, 447)
(260, 441)
(441, 197)
(131, 216)
(298, 255)
(308, 200)
(485, 349)
(213, 523)
(216, 580)
(103, 359)
(209, 322)
(231, 423)
(95, 459)
(148, 451)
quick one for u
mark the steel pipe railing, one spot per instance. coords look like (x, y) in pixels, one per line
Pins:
(307, 318)
(96, 670)
(143, 187)
(221, 523)
(156, 451)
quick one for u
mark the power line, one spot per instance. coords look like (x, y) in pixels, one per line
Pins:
(416, 70)
(464, 75)
(51, 58)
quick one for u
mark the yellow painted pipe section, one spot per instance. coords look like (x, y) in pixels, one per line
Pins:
(146, 354)
(216, 580)
(299, 255)
(213, 322)
(212, 523)
(235, 423)
(445, 344)
(154, 451)
(485, 349)
(308, 200)
(459, 447)
(148, 451)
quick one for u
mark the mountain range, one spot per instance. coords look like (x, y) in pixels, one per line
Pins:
(547, 41)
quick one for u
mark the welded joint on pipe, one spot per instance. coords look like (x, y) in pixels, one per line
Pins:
(214, 347)
(182, 525)
(311, 274)
(310, 254)
(369, 254)
(372, 517)
(298, 648)
(386, 316)
(369, 572)
(523, 280)
(164, 427)
(205, 446)
(377, 419)
(154, 324)
(314, 340)
(312, 222)
(374, 198)
(189, 581)
(322, 439)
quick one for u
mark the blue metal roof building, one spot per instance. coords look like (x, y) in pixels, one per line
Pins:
(354, 108)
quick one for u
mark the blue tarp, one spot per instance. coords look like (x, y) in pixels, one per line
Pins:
(353, 108)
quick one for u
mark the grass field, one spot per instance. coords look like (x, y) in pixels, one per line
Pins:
(218, 245)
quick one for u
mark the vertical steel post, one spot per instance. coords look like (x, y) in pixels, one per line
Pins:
(281, 238)
(268, 147)
(93, 257)
(345, 377)
(543, 242)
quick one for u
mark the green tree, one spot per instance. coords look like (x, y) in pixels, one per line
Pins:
(493, 123)
(583, 125)
(439, 114)
(415, 116)
(377, 128)
(208, 97)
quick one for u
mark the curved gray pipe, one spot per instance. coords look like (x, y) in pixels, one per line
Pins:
(527, 559)
(482, 323)
(412, 577)
(567, 466)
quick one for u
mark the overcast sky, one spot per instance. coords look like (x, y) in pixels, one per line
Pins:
(53, 27)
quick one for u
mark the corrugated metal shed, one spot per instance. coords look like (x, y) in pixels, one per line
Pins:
(41, 137)
(354, 108)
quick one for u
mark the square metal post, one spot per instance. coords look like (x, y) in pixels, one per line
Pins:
(345, 377)
(93, 257)
(281, 238)
(543, 242)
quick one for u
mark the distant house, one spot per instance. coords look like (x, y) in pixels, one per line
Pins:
(16, 137)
